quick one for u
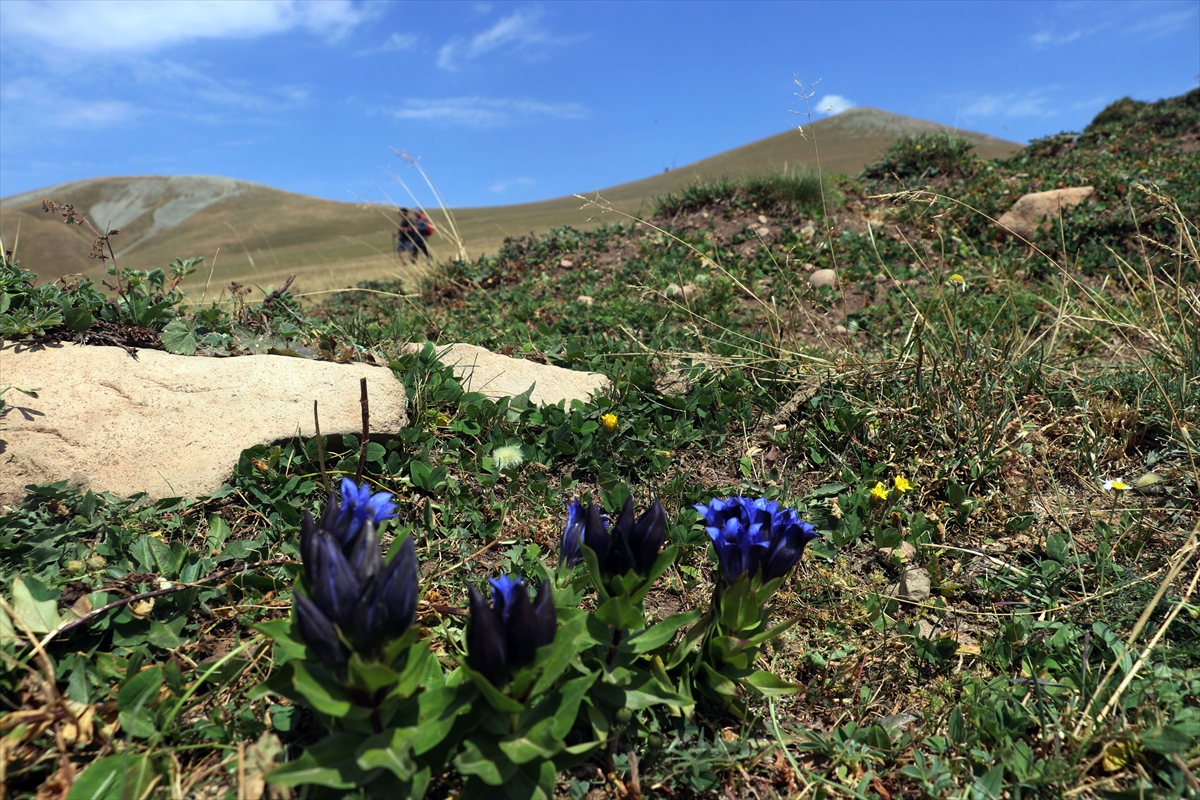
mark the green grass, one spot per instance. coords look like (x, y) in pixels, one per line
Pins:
(1058, 652)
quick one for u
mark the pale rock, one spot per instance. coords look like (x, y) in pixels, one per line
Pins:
(763, 231)
(762, 219)
(566, 263)
(840, 329)
(1023, 218)
(823, 277)
(914, 586)
(808, 231)
(480, 370)
(170, 425)
(587, 300)
(895, 556)
(687, 291)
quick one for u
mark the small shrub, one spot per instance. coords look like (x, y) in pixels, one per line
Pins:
(926, 156)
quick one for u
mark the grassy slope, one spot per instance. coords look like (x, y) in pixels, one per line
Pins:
(1007, 399)
(265, 234)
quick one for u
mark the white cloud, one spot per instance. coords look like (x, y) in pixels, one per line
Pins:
(1032, 103)
(1164, 24)
(484, 112)
(40, 100)
(396, 43)
(832, 104)
(135, 26)
(518, 33)
(500, 187)
(1048, 38)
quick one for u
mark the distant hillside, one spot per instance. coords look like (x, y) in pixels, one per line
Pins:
(264, 234)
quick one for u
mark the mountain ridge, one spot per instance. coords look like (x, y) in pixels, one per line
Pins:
(262, 234)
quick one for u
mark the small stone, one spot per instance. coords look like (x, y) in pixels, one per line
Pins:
(914, 585)
(895, 556)
(762, 219)
(823, 277)
(763, 232)
(566, 263)
(585, 299)
(840, 329)
(704, 214)
(808, 231)
(687, 291)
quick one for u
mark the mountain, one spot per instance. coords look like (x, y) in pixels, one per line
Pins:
(250, 232)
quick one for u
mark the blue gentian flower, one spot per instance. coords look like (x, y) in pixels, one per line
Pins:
(507, 634)
(754, 536)
(630, 545)
(359, 505)
(350, 589)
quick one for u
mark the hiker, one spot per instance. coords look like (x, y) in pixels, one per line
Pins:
(414, 229)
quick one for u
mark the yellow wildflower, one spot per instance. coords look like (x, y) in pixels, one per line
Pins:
(902, 484)
(1115, 486)
(609, 422)
(957, 281)
(880, 492)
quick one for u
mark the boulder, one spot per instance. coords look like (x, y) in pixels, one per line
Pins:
(480, 370)
(165, 424)
(1031, 211)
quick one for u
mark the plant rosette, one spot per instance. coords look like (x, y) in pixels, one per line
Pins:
(623, 563)
(517, 659)
(352, 654)
(388, 719)
(757, 543)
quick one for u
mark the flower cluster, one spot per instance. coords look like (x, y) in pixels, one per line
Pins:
(353, 596)
(753, 536)
(631, 545)
(507, 634)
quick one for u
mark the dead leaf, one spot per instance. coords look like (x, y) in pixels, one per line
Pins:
(142, 608)
(260, 759)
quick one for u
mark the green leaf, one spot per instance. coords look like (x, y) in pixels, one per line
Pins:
(125, 775)
(180, 337)
(329, 763)
(78, 319)
(769, 685)
(136, 699)
(162, 636)
(439, 708)
(390, 750)
(825, 490)
(496, 699)
(565, 647)
(33, 605)
(327, 698)
(241, 549)
(484, 760)
(660, 633)
(218, 531)
(1167, 739)
(718, 682)
(538, 742)
(572, 695)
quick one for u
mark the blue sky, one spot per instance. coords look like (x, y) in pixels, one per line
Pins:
(513, 102)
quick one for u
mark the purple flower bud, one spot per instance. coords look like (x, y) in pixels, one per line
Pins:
(486, 650)
(507, 634)
(334, 587)
(320, 635)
